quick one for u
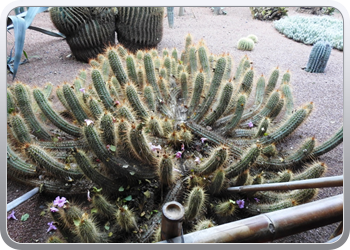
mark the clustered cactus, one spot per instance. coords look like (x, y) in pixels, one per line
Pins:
(90, 30)
(152, 127)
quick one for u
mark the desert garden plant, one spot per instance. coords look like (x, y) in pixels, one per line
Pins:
(20, 23)
(88, 30)
(310, 30)
(319, 57)
(139, 27)
(247, 43)
(268, 13)
(143, 129)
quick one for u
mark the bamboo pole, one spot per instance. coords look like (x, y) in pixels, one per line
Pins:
(270, 226)
(334, 181)
(173, 214)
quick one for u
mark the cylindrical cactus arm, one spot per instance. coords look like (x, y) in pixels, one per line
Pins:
(330, 144)
(319, 57)
(90, 172)
(46, 161)
(52, 115)
(214, 86)
(25, 105)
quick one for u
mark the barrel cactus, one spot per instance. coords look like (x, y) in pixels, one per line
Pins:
(88, 30)
(245, 43)
(135, 137)
(319, 56)
(139, 27)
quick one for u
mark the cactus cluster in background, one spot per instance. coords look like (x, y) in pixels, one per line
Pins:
(90, 30)
(247, 43)
(139, 27)
(268, 13)
(147, 128)
(319, 57)
(310, 30)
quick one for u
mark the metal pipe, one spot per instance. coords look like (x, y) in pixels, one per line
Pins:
(171, 225)
(270, 226)
(334, 181)
(22, 198)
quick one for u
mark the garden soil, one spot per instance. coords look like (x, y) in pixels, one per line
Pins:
(50, 60)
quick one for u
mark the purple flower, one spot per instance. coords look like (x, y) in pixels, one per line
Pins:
(178, 154)
(250, 124)
(53, 209)
(51, 226)
(182, 147)
(256, 199)
(12, 215)
(82, 90)
(197, 160)
(59, 201)
(240, 203)
(203, 139)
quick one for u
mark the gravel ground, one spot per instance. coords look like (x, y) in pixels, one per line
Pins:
(50, 61)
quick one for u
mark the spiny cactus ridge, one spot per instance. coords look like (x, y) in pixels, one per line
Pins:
(135, 136)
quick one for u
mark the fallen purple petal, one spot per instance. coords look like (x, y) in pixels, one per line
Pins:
(197, 160)
(250, 124)
(203, 139)
(51, 226)
(82, 90)
(12, 216)
(256, 199)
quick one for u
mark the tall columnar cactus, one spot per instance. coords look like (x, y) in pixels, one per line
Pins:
(138, 137)
(170, 14)
(319, 56)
